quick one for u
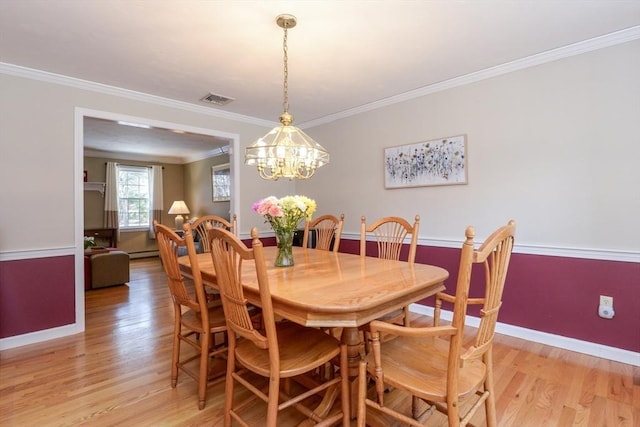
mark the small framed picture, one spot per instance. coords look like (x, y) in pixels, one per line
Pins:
(221, 182)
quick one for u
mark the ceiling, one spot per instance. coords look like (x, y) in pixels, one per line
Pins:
(108, 138)
(343, 55)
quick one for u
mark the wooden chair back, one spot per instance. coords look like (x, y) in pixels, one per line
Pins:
(304, 350)
(328, 229)
(228, 253)
(196, 323)
(168, 243)
(202, 224)
(451, 374)
(494, 255)
(390, 233)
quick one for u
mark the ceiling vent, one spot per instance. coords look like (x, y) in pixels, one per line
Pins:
(212, 98)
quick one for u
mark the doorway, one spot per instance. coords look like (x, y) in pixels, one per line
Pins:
(134, 143)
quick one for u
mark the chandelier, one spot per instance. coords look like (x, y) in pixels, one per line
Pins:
(286, 151)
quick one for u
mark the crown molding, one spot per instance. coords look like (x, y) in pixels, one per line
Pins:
(30, 73)
(218, 151)
(135, 156)
(607, 40)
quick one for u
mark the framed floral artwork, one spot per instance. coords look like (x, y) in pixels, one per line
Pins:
(440, 161)
(221, 182)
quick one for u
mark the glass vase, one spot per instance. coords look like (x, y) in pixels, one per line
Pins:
(285, 248)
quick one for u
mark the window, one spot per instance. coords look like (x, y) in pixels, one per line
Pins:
(133, 197)
(221, 183)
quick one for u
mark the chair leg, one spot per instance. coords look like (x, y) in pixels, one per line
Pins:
(228, 389)
(362, 394)
(490, 403)
(176, 350)
(204, 368)
(366, 340)
(453, 412)
(414, 407)
(407, 318)
(345, 389)
(272, 404)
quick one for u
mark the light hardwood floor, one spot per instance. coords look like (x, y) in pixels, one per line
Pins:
(117, 373)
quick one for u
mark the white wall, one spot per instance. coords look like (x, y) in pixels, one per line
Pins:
(37, 127)
(555, 147)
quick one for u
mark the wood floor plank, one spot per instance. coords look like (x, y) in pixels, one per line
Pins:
(117, 373)
(597, 412)
(515, 400)
(567, 416)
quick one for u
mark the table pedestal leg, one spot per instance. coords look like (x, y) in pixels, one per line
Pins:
(351, 337)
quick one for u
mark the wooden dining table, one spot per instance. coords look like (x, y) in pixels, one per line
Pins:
(334, 289)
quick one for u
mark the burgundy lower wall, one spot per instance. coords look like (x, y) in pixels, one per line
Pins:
(545, 293)
(36, 294)
(561, 296)
(552, 294)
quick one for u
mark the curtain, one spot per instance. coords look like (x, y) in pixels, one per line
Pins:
(111, 198)
(156, 205)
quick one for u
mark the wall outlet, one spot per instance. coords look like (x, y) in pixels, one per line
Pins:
(605, 309)
(606, 301)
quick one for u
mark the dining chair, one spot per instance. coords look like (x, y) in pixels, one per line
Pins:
(430, 363)
(277, 352)
(389, 234)
(197, 322)
(328, 229)
(199, 228)
(201, 224)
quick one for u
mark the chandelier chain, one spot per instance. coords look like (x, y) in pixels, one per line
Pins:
(286, 151)
(285, 103)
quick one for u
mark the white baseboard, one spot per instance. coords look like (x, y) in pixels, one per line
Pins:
(572, 344)
(40, 336)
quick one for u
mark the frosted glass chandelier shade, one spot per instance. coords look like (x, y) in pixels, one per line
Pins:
(286, 151)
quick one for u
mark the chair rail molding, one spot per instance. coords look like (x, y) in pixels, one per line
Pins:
(567, 252)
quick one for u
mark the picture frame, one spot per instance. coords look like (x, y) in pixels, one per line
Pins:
(221, 183)
(441, 161)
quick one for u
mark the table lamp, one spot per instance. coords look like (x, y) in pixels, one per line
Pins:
(179, 208)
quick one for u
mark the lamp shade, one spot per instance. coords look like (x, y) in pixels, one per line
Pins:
(179, 207)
